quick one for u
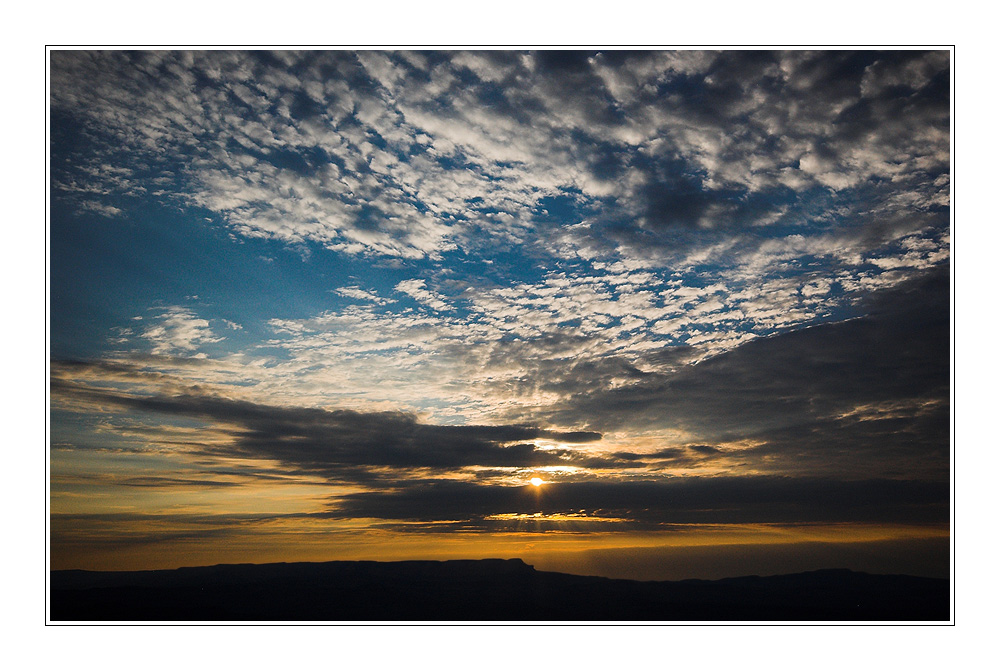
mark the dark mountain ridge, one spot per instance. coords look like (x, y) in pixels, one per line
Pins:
(489, 590)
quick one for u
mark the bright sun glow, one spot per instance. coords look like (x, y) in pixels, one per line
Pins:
(536, 482)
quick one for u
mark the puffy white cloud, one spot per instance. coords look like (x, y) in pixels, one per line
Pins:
(415, 288)
(179, 331)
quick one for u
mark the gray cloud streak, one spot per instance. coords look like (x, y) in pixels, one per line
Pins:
(326, 441)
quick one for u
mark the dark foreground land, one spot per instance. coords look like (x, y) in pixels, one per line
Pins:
(487, 590)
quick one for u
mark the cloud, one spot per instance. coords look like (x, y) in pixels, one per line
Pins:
(179, 330)
(106, 210)
(803, 393)
(328, 441)
(683, 288)
(413, 156)
(868, 393)
(651, 504)
(603, 349)
(415, 288)
(360, 294)
(631, 179)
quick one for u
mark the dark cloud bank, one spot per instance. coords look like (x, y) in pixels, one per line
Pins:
(682, 500)
(864, 392)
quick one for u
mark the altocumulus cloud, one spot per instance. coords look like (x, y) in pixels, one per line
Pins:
(413, 154)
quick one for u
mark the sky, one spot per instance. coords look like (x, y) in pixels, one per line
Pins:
(309, 306)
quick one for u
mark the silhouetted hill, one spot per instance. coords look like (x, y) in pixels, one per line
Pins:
(486, 590)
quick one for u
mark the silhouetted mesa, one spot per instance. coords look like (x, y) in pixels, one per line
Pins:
(486, 590)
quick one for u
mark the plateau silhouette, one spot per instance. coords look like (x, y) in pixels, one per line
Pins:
(491, 590)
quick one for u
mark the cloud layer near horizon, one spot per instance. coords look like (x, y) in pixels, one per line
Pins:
(840, 402)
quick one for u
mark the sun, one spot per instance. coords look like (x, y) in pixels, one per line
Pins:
(536, 482)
